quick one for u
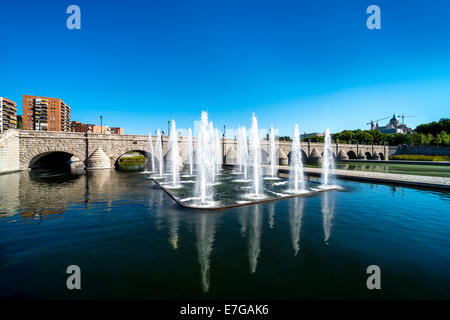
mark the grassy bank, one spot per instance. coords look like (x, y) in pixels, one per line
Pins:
(139, 157)
(419, 157)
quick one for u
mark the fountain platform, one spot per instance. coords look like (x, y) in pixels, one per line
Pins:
(229, 192)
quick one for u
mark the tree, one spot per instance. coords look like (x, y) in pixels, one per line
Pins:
(285, 138)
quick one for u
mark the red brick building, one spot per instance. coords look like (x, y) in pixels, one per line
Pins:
(45, 114)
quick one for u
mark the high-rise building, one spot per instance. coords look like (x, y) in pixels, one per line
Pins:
(46, 114)
(8, 114)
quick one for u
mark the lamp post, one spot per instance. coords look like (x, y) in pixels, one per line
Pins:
(101, 124)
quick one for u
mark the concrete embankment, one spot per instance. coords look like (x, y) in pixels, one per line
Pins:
(431, 163)
(427, 182)
(441, 183)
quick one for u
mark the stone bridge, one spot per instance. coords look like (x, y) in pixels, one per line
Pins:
(23, 150)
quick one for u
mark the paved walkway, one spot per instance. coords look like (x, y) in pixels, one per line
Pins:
(395, 178)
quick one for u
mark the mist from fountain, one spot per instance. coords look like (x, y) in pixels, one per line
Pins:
(159, 153)
(242, 151)
(296, 180)
(218, 151)
(190, 151)
(174, 156)
(205, 174)
(273, 152)
(328, 164)
(151, 153)
(255, 161)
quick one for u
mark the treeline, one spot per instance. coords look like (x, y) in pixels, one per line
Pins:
(429, 134)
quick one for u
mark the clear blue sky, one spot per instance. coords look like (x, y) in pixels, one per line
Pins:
(141, 63)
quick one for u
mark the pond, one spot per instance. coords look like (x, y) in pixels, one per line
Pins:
(132, 241)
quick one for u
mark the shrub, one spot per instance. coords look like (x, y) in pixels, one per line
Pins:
(419, 157)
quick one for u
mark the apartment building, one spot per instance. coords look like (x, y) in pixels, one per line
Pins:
(93, 128)
(45, 114)
(8, 114)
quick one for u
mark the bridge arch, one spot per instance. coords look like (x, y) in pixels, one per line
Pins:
(351, 154)
(49, 156)
(368, 155)
(116, 156)
(51, 160)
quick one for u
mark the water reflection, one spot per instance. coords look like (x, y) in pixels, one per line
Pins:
(254, 236)
(134, 203)
(205, 228)
(328, 202)
(243, 216)
(9, 195)
(173, 222)
(295, 221)
(271, 208)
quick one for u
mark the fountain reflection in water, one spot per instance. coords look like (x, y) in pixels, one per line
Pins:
(328, 164)
(296, 180)
(295, 221)
(205, 230)
(254, 237)
(327, 214)
(271, 215)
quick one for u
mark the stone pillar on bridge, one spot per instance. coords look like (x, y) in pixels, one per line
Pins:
(98, 160)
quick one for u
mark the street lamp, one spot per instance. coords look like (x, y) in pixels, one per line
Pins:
(101, 124)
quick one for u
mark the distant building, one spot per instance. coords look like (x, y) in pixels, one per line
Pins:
(45, 114)
(116, 130)
(8, 114)
(394, 126)
(93, 128)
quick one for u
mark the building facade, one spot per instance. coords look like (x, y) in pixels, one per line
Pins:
(394, 126)
(45, 114)
(8, 114)
(116, 130)
(93, 128)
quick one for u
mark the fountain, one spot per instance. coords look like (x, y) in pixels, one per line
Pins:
(255, 161)
(205, 174)
(190, 152)
(242, 152)
(151, 154)
(218, 151)
(159, 153)
(273, 156)
(328, 165)
(174, 157)
(296, 181)
(215, 188)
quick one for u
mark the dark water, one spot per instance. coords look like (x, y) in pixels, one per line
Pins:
(132, 241)
(414, 169)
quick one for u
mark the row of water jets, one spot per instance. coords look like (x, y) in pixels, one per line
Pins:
(209, 157)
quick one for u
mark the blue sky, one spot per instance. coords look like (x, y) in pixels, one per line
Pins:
(141, 63)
